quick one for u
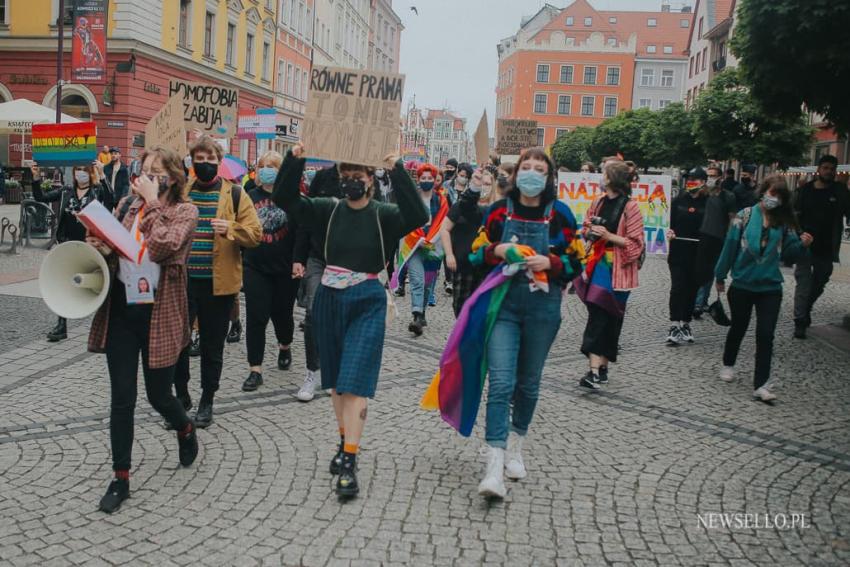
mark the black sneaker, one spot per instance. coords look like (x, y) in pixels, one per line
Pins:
(674, 336)
(252, 382)
(346, 484)
(799, 331)
(399, 292)
(697, 314)
(204, 415)
(284, 359)
(603, 375)
(417, 324)
(687, 334)
(336, 463)
(59, 332)
(235, 334)
(188, 447)
(590, 380)
(195, 345)
(118, 492)
(448, 288)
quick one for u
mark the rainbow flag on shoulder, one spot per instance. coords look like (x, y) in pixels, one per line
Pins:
(596, 283)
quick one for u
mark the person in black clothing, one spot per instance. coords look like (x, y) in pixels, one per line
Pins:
(746, 192)
(686, 217)
(267, 279)
(821, 206)
(729, 182)
(117, 174)
(89, 185)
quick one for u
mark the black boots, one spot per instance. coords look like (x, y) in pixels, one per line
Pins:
(346, 484)
(417, 324)
(204, 415)
(59, 332)
(235, 333)
(252, 382)
(284, 359)
(118, 492)
(187, 444)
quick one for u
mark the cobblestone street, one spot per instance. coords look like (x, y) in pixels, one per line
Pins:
(628, 476)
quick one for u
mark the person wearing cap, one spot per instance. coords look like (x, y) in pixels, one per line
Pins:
(822, 205)
(687, 212)
(117, 174)
(746, 192)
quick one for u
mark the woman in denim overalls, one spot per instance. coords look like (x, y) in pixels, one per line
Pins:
(528, 321)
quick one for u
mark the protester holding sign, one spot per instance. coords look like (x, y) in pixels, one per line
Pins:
(351, 304)
(145, 313)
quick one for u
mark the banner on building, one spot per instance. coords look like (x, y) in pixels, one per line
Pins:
(210, 108)
(166, 128)
(353, 115)
(260, 125)
(64, 144)
(653, 194)
(513, 136)
(482, 141)
(88, 46)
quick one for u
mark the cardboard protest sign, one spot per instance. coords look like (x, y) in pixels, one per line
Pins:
(166, 128)
(515, 135)
(210, 108)
(653, 194)
(64, 144)
(482, 141)
(352, 115)
(260, 124)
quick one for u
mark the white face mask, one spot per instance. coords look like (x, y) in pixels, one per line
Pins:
(82, 177)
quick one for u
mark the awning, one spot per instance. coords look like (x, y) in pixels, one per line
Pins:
(18, 116)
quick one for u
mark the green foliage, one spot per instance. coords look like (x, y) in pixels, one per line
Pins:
(795, 52)
(669, 140)
(572, 149)
(623, 133)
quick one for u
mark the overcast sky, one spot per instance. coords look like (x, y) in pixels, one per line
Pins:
(448, 51)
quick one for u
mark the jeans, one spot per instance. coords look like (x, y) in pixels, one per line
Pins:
(703, 294)
(128, 335)
(213, 313)
(267, 296)
(519, 344)
(420, 290)
(741, 304)
(812, 274)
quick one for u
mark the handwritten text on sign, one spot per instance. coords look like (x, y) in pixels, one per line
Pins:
(210, 108)
(652, 193)
(166, 128)
(513, 136)
(352, 115)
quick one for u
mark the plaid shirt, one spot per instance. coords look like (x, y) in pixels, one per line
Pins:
(168, 231)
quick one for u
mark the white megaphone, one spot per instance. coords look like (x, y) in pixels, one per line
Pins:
(74, 280)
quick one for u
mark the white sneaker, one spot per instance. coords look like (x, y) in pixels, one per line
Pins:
(727, 373)
(308, 389)
(514, 467)
(493, 484)
(674, 336)
(764, 395)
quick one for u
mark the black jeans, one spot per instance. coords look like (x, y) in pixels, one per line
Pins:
(812, 274)
(684, 285)
(267, 296)
(213, 313)
(741, 304)
(128, 335)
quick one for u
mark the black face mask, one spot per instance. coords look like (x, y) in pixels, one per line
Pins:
(503, 182)
(353, 189)
(448, 175)
(205, 172)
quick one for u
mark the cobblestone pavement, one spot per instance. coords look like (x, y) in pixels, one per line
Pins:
(629, 476)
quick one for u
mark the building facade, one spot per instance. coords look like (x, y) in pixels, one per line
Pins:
(434, 136)
(342, 33)
(293, 61)
(384, 37)
(708, 44)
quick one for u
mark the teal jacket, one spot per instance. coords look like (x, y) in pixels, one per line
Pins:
(751, 268)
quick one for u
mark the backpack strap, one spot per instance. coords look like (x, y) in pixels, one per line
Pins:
(128, 202)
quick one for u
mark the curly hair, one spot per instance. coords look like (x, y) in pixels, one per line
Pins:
(427, 167)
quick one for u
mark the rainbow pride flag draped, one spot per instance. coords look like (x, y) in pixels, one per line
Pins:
(596, 283)
(457, 386)
(430, 244)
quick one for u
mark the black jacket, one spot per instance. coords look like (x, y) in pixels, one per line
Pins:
(840, 211)
(121, 187)
(64, 195)
(745, 195)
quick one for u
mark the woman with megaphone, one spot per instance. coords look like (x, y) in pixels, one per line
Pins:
(146, 311)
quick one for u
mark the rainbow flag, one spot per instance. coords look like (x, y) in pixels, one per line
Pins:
(64, 144)
(596, 283)
(429, 242)
(457, 386)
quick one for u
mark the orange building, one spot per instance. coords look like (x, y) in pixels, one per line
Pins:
(576, 66)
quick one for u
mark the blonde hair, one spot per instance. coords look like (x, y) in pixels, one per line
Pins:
(270, 156)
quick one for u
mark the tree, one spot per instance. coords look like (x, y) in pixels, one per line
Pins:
(622, 134)
(795, 52)
(732, 124)
(669, 140)
(572, 149)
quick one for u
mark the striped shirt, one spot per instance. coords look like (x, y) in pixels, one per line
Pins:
(200, 258)
(625, 276)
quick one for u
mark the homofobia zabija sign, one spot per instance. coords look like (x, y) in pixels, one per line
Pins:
(210, 108)
(166, 128)
(353, 115)
(652, 193)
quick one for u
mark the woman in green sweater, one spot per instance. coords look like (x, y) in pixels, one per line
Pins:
(350, 306)
(758, 241)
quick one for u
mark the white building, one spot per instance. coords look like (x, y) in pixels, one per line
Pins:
(385, 37)
(342, 33)
(708, 45)
(447, 137)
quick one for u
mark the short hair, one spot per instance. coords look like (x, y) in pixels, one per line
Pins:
(173, 165)
(828, 159)
(550, 192)
(589, 164)
(207, 144)
(427, 168)
(271, 156)
(465, 167)
(619, 175)
(714, 167)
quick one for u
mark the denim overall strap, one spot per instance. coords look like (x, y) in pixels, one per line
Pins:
(531, 233)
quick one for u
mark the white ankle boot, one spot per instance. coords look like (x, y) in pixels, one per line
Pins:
(514, 467)
(493, 484)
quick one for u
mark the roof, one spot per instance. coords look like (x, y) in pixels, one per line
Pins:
(716, 12)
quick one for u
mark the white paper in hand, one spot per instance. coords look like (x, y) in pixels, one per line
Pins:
(102, 224)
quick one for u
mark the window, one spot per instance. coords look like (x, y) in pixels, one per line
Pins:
(570, 20)
(281, 75)
(304, 86)
(647, 78)
(651, 22)
(541, 136)
(564, 104)
(540, 104)
(209, 33)
(610, 106)
(543, 73)
(613, 76)
(249, 54)
(645, 103)
(704, 57)
(650, 49)
(284, 10)
(668, 49)
(684, 23)
(612, 20)
(571, 41)
(612, 42)
(664, 102)
(266, 49)
(290, 79)
(667, 78)
(229, 51)
(588, 22)
(183, 37)
(561, 132)
(296, 92)
(590, 75)
(699, 33)
(587, 104)
(691, 71)
(566, 74)
(698, 59)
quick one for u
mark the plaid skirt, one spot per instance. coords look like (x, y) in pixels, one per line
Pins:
(464, 283)
(350, 325)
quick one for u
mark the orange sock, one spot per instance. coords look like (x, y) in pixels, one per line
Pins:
(350, 448)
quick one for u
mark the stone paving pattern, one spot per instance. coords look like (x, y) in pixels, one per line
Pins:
(615, 478)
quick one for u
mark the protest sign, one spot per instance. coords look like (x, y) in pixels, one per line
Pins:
(515, 135)
(88, 43)
(64, 144)
(352, 115)
(210, 108)
(482, 141)
(653, 194)
(166, 128)
(260, 125)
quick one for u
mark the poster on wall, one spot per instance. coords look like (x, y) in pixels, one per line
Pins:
(653, 194)
(88, 46)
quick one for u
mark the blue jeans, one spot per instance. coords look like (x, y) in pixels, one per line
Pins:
(522, 336)
(702, 297)
(419, 290)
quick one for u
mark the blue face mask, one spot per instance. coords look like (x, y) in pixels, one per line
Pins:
(310, 174)
(531, 183)
(267, 175)
(426, 185)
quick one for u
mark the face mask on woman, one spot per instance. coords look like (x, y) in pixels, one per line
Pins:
(531, 183)
(82, 177)
(267, 175)
(353, 189)
(503, 182)
(770, 202)
(462, 181)
(426, 185)
(205, 171)
(162, 181)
